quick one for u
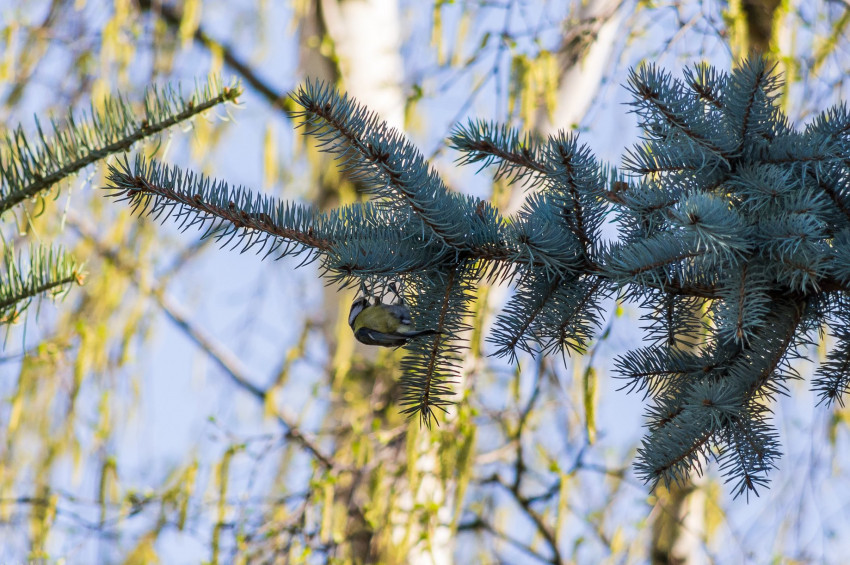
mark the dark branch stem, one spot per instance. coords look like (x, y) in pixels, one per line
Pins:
(139, 188)
(28, 293)
(173, 18)
(539, 523)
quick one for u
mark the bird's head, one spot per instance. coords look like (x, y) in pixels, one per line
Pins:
(356, 307)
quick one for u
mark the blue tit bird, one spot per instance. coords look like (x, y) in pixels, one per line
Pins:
(387, 325)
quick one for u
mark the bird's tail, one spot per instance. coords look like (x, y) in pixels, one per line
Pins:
(421, 333)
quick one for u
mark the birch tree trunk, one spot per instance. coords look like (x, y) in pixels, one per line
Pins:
(584, 58)
(366, 39)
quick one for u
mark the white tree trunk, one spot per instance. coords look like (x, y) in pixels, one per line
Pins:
(583, 60)
(678, 525)
(367, 40)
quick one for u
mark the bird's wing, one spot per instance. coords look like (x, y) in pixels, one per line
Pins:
(401, 312)
(374, 337)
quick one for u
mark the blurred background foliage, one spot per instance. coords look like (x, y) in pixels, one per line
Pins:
(189, 404)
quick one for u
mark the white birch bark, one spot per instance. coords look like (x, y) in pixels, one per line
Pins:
(367, 43)
(590, 39)
(678, 525)
(367, 40)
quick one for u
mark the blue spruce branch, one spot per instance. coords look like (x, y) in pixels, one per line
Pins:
(723, 204)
